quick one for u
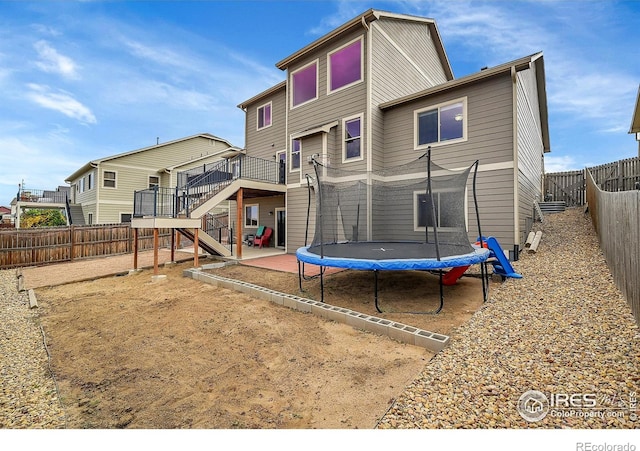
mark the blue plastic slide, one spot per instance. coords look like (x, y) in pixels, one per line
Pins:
(502, 266)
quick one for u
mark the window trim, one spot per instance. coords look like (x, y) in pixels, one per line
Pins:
(115, 179)
(353, 83)
(248, 226)
(150, 185)
(90, 181)
(317, 64)
(439, 106)
(344, 138)
(270, 105)
(291, 168)
(418, 228)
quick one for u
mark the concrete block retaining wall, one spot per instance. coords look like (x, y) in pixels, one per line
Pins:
(397, 331)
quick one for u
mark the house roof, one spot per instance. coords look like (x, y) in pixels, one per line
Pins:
(229, 151)
(263, 94)
(635, 120)
(517, 65)
(363, 20)
(94, 163)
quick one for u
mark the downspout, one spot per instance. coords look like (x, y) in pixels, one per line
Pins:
(516, 189)
(369, 133)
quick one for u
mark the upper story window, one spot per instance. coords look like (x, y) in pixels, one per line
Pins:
(109, 179)
(85, 183)
(304, 83)
(296, 147)
(441, 124)
(345, 66)
(264, 116)
(154, 181)
(352, 148)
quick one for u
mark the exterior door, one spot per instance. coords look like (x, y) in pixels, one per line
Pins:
(281, 226)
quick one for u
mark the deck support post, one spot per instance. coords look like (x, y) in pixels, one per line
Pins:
(135, 249)
(196, 246)
(155, 251)
(240, 219)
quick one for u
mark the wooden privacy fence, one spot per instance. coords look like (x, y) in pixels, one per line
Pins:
(30, 247)
(570, 186)
(616, 218)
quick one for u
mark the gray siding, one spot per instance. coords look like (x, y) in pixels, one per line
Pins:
(530, 150)
(489, 122)
(297, 200)
(330, 107)
(405, 61)
(266, 142)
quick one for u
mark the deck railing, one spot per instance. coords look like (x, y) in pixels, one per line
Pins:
(172, 202)
(42, 196)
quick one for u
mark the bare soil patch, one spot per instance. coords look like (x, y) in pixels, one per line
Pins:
(400, 294)
(131, 353)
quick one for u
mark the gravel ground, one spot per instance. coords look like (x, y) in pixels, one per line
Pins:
(28, 397)
(562, 329)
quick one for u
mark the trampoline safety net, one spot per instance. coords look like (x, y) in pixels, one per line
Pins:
(419, 202)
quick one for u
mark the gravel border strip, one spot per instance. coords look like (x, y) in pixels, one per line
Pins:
(28, 392)
(563, 329)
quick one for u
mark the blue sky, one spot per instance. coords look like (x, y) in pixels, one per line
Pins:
(83, 80)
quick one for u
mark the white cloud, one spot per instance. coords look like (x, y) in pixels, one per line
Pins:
(53, 62)
(60, 101)
(559, 163)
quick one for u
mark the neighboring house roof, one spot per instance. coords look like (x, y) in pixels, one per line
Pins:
(93, 163)
(224, 153)
(263, 94)
(635, 120)
(5, 210)
(363, 20)
(517, 65)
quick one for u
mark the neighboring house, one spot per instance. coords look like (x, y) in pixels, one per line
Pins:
(377, 92)
(5, 215)
(635, 121)
(104, 187)
(28, 198)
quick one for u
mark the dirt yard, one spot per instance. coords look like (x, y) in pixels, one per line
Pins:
(130, 353)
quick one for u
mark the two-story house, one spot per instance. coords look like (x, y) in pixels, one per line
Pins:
(379, 90)
(104, 187)
(374, 93)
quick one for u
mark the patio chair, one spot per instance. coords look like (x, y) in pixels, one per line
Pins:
(264, 239)
(251, 238)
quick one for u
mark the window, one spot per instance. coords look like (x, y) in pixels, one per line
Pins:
(125, 217)
(90, 219)
(296, 148)
(251, 216)
(89, 181)
(264, 116)
(352, 142)
(305, 84)
(441, 123)
(345, 66)
(80, 186)
(153, 181)
(446, 216)
(109, 179)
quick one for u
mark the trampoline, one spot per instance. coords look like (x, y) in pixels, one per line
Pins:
(409, 217)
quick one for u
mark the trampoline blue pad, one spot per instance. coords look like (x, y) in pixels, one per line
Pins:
(374, 255)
